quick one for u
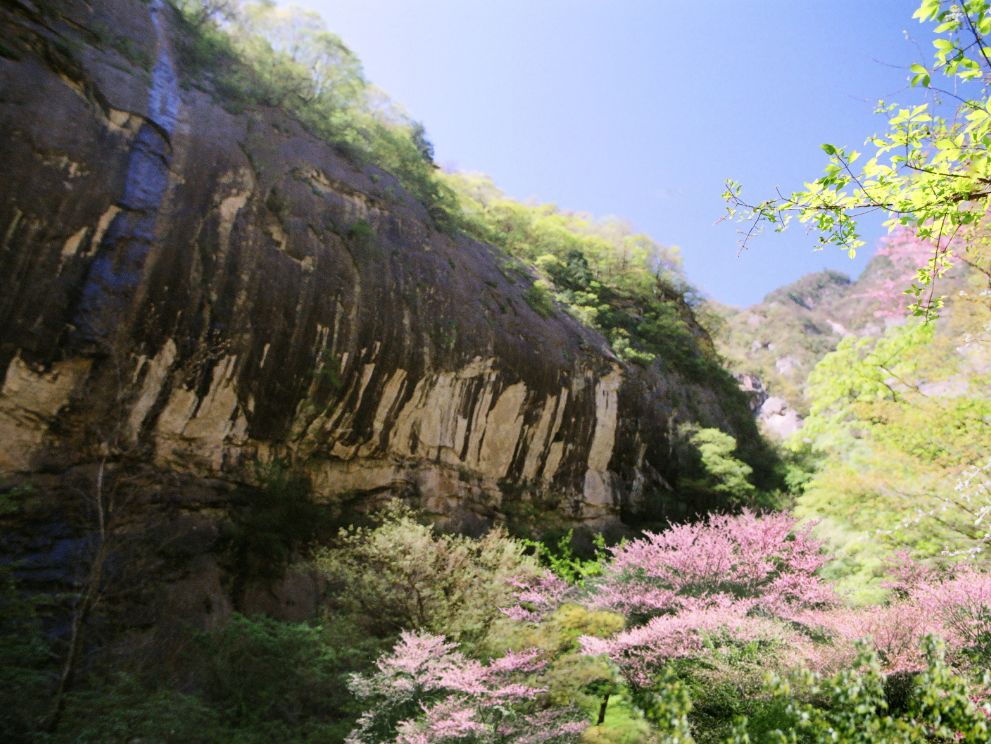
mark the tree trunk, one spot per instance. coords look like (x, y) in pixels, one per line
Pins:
(602, 709)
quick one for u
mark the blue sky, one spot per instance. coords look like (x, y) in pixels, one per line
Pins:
(642, 108)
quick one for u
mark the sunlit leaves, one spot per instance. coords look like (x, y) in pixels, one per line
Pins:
(901, 419)
(929, 172)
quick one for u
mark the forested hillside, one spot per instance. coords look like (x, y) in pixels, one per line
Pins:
(775, 344)
(309, 440)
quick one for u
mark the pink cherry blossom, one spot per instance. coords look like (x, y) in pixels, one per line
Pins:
(767, 559)
(536, 597)
(459, 699)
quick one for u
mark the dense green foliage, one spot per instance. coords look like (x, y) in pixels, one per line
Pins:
(255, 680)
(561, 558)
(602, 272)
(272, 680)
(860, 705)
(722, 472)
(900, 423)
(24, 662)
(404, 574)
(261, 54)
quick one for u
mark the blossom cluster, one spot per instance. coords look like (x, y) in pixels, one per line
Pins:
(536, 597)
(728, 577)
(907, 254)
(425, 690)
(642, 651)
(746, 561)
(955, 606)
(743, 579)
(709, 590)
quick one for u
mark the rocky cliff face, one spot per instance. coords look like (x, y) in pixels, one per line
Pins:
(187, 291)
(198, 289)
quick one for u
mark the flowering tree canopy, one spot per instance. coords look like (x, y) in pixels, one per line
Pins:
(425, 691)
(746, 562)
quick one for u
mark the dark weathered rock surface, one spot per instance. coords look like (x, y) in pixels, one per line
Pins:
(187, 291)
(199, 289)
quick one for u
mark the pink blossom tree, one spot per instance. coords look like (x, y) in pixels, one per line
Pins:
(954, 605)
(744, 563)
(908, 255)
(728, 578)
(537, 596)
(426, 691)
(957, 607)
(643, 651)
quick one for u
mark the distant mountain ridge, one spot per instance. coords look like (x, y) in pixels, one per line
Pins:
(774, 345)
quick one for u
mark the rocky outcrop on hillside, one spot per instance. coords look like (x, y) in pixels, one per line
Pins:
(775, 344)
(198, 289)
(773, 413)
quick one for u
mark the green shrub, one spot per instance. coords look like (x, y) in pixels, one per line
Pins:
(255, 680)
(667, 705)
(361, 234)
(278, 681)
(121, 710)
(405, 575)
(852, 706)
(539, 299)
(560, 557)
(26, 670)
(721, 471)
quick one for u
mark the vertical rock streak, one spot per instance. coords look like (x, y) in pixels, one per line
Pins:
(163, 100)
(118, 267)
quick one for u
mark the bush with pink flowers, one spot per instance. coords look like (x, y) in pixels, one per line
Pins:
(425, 690)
